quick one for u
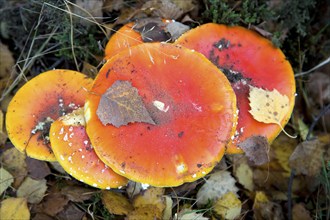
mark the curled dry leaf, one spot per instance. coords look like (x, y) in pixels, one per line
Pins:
(121, 104)
(14, 208)
(256, 148)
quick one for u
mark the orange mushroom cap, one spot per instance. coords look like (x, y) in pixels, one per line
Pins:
(189, 99)
(247, 59)
(40, 102)
(76, 155)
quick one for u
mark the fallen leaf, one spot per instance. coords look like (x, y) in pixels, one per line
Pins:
(77, 193)
(71, 212)
(116, 203)
(176, 29)
(3, 135)
(6, 61)
(188, 214)
(268, 106)
(133, 188)
(56, 166)
(54, 203)
(218, 184)
(163, 9)
(14, 162)
(6, 179)
(307, 158)
(299, 212)
(256, 149)
(152, 30)
(167, 214)
(33, 190)
(91, 10)
(265, 209)
(228, 206)
(149, 204)
(113, 5)
(121, 104)
(37, 169)
(14, 208)
(244, 174)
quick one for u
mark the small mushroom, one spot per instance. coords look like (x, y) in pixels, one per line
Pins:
(190, 101)
(38, 103)
(73, 150)
(247, 59)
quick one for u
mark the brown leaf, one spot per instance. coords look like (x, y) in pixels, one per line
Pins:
(54, 203)
(77, 193)
(37, 169)
(33, 190)
(70, 212)
(307, 158)
(121, 104)
(14, 162)
(299, 212)
(256, 149)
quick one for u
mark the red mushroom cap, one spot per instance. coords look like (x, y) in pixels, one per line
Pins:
(247, 59)
(38, 103)
(76, 155)
(189, 99)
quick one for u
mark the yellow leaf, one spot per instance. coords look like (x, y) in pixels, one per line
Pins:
(149, 204)
(268, 106)
(228, 206)
(244, 174)
(116, 203)
(14, 208)
(6, 179)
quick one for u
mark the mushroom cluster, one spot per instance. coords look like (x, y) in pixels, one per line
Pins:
(157, 113)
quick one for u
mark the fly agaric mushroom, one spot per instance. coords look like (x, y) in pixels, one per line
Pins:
(141, 31)
(40, 102)
(247, 59)
(192, 106)
(76, 155)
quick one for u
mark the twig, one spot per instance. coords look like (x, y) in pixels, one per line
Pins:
(314, 68)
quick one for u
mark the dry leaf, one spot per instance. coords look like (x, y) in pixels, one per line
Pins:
(37, 169)
(188, 214)
(3, 135)
(244, 174)
(133, 188)
(176, 29)
(265, 209)
(218, 184)
(6, 61)
(33, 190)
(14, 162)
(6, 179)
(299, 212)
(307, 158)
(54, 203)
(116, 203)
(256, 149)
(71, 212)
(268, 106)
(88, 9)
(228, 206)
(167, 214)
(163, 9)
(150, 204)
(152, 30)
(121, 104)
(14, 208)
(77, 194)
